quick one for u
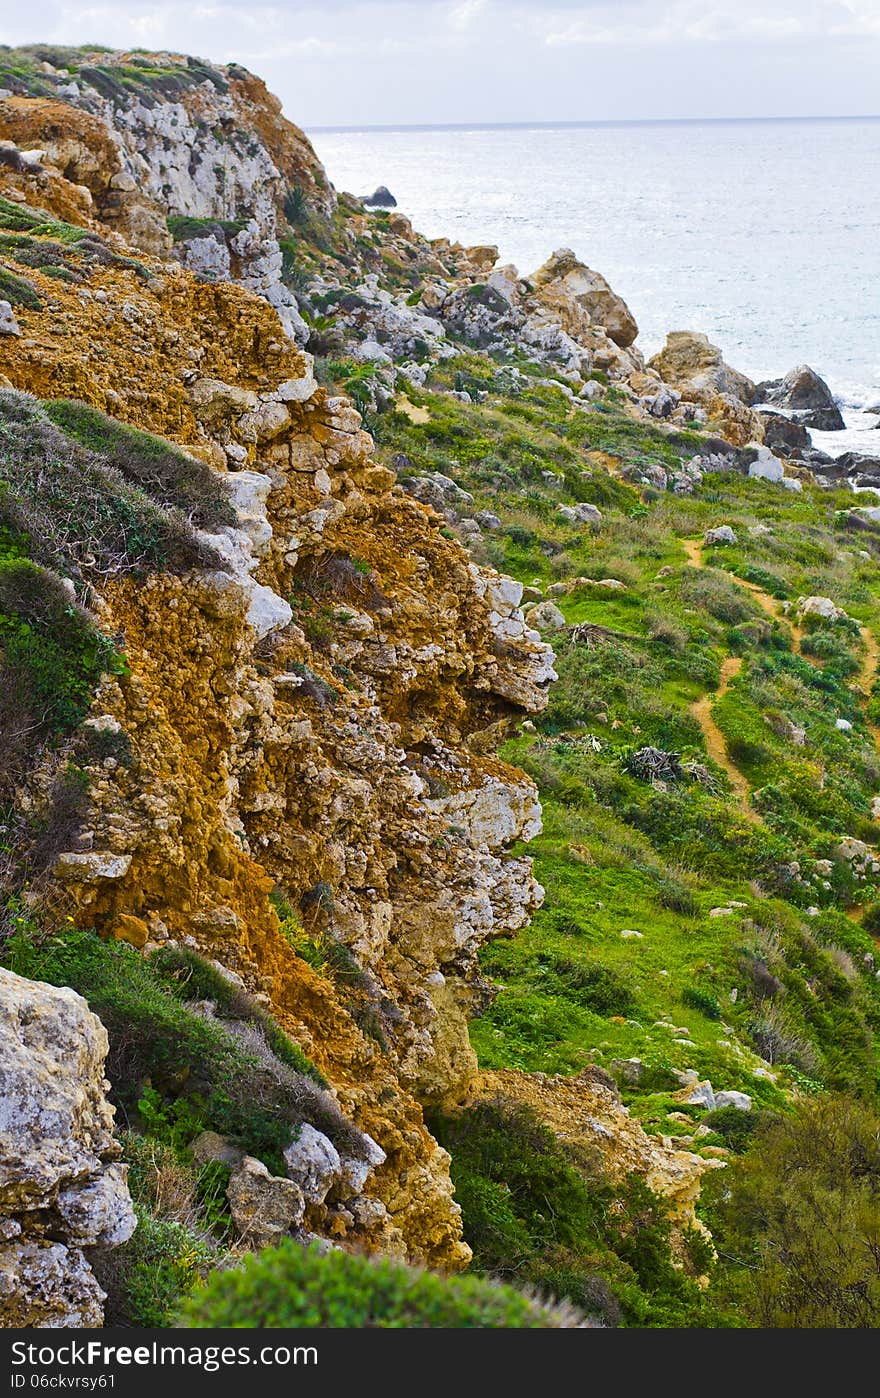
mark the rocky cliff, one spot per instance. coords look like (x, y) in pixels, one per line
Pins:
(313, 713)
(294, 745)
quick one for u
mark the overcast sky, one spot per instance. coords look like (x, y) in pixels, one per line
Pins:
(356, 62)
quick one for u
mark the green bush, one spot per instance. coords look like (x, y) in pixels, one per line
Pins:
(170, 477)
(52, 653)
(737, 1127)
(74, 507)
(535, 1210)
(702, 1000)
(147, 1278)
(291, 1287)
(18, 291)
(798, 1218)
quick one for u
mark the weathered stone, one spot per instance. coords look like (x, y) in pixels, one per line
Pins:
(546, 616)
(741, 1100)
(8, 324)
(314, 1163)
(766, 466)
(45, 1285)
(822, 607)
(692, 364)
(210, 1145)
(59, 1188)
(264, 1207)
(582, 299)
(381, 198)
(721, 534)
(131, 929)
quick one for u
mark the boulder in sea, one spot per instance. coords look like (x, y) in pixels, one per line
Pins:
(381, 198)
(804, 393)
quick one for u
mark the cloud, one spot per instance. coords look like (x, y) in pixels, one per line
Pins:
(337, 62)
(702, 22)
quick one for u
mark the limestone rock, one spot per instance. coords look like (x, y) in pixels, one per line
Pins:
(582, 299)
(60, 1189)
(131, 929)
(587, 1114)
(783, 433)
(806, 393)
(630, 1071)
(766, 466)
(581, 513)
(822, 607)
(692, 364)
(45, 1285)
(741, 1100)
(702, 1095)
(209, 1145)
(264, 1207)
(721, 534)
(8, 324)
(545, 616)
(381, 198)
(313, 1162)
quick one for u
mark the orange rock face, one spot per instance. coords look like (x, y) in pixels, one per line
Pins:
(306, 721)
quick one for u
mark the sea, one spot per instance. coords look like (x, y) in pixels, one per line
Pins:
(765, 235)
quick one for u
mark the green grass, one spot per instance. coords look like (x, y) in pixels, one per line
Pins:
(203, 1073)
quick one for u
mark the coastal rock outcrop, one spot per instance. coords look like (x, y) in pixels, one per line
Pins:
(314, 711)
(61, 1188)
(696, 368)
(582, 299)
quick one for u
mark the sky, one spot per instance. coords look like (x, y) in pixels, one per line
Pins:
(406, 62)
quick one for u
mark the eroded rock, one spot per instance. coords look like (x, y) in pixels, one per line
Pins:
(60, 1186)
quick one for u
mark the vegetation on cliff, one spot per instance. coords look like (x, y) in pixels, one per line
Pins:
(278, 703)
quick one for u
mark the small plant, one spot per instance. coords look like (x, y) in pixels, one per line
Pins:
(296, 206)
(701, 1000)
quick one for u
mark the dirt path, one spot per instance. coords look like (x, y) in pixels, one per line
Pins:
(868, 674)
(731, 667)
(410, 410)
(715, 744)
(702, 708)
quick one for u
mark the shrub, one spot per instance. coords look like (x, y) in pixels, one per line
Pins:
(737, 1127)
(295, 205)
(290, 1286)
(180, 1071)
(53, 655)
(701, 1000)
(147, 1278)
(798, 1216)
(778, 1042)
(596, 987)
(539, 1211)
(18, 291)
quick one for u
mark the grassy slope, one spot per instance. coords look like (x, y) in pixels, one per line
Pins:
(616, 853)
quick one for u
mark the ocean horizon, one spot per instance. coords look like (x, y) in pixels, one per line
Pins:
(560, 125)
